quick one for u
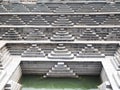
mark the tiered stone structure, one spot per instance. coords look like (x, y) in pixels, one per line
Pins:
(90, 52)
(60, 38)
(62, 35)
(60, 53)
(36, 35)
(61, 70)
(33, 51)
(11, 35)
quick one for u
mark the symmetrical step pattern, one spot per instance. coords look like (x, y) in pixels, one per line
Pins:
(33, 51)
(86, 20)
(36, 35)
(38, 20)
(60, 53)
(49, 49)
(11, 35)
(89, 35)
(116, 60)
(62, 35)
(12, 85)
(61, 7)
(60, 70)
(43, 67)
(90, 52)
(62, 21)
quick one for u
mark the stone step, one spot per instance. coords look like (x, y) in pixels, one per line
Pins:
(117, 79)
(60, 57)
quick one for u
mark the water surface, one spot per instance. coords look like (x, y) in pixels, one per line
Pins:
(34, 82)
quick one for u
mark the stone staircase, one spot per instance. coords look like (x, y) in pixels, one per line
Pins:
(90, 52)
(116, 77)
(60, 53)
(116, 60)
(62, 35)
(64, 9)
(88, 35)
(60, 70)
(33, 51)
(11, 35)
(36, 35)
(62, 21)
(5, 58)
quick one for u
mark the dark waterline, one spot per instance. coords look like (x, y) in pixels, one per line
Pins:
(35, 82)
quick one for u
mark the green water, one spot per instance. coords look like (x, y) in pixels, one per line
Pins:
(34, 82)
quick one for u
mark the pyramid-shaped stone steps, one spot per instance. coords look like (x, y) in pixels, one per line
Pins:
(11, 35)
(41, 8)
(61, 70)
(62, 35)
(62, 21)
(14, 20)
(87, 20)
(60, 53)
(85, 8)
(38, 20)
(33, 51)
(64, 9)
(36, 35)
(90, 52)
(89, 35)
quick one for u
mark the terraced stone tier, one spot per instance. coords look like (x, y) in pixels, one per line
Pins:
(61, 7)
(61, 34)
(60, 20)
(106, 49)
